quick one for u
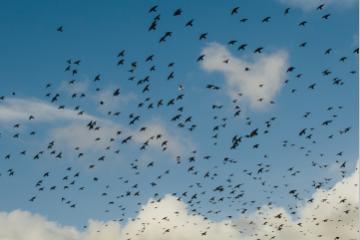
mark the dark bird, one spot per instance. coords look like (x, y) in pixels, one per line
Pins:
(320, 7)
(203, 36)
(242, 46)
(97, 78)
(189, 23)
(303, 23)
(60, 29)
(326, 16)
(287, 10)
(234, 10)
(266, 19)
(153, 9)
(177, 12)
(116, 92)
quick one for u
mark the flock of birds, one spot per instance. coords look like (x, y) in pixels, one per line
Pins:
(220, 190)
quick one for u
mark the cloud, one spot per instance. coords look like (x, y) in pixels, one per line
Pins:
(77, 87)
(308, 5)
(78, 135)
(266, 69)
(170, 219)
(327, 217)
(16, 109)
(25, 225)
(112, 103)
(69, 128)
(106, 95)
(176, 145)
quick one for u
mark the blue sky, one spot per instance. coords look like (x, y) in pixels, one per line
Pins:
(33, 54)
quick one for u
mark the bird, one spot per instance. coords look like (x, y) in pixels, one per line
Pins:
(153, 8)
(203, 36)
(258, 50)
(302, 23)
(116, 92)
(60, 29)
(177, 12)
(234, 10)
(190, 23)
(326, 16)
(266, 19)
(321, 6)
(287, 10)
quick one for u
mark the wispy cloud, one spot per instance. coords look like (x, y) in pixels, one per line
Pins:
(69, 128)
(259, 85)
(17, 109)
(111, 103)
(177, 144)
(308, 5)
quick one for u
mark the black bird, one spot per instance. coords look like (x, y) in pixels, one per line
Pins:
(200, 58)
(116, 92)
(303, 23)
(121, 53)
(326, 16)
(242, 46)
(203, 36)
(97, 78)
(320, 7)
(153, 9)
(189, 23)
(177, 12)
(234, 10)
(266, 19)
(60, 29)
(287, 10)
(328, 51)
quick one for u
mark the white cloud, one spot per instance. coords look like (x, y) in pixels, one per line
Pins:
(266, 69)
(78, 135)
(325, 216)
(176, 145)
(112, 103)
(16, 109)
(98, 230)
(77, 87)
(170, 219)
(25, 225)
(308, 5)
(69, 128)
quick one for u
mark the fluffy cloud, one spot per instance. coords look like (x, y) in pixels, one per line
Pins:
(24, 225)
(170, 219)
(327, 217)
(268, 70)
(313, 4)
